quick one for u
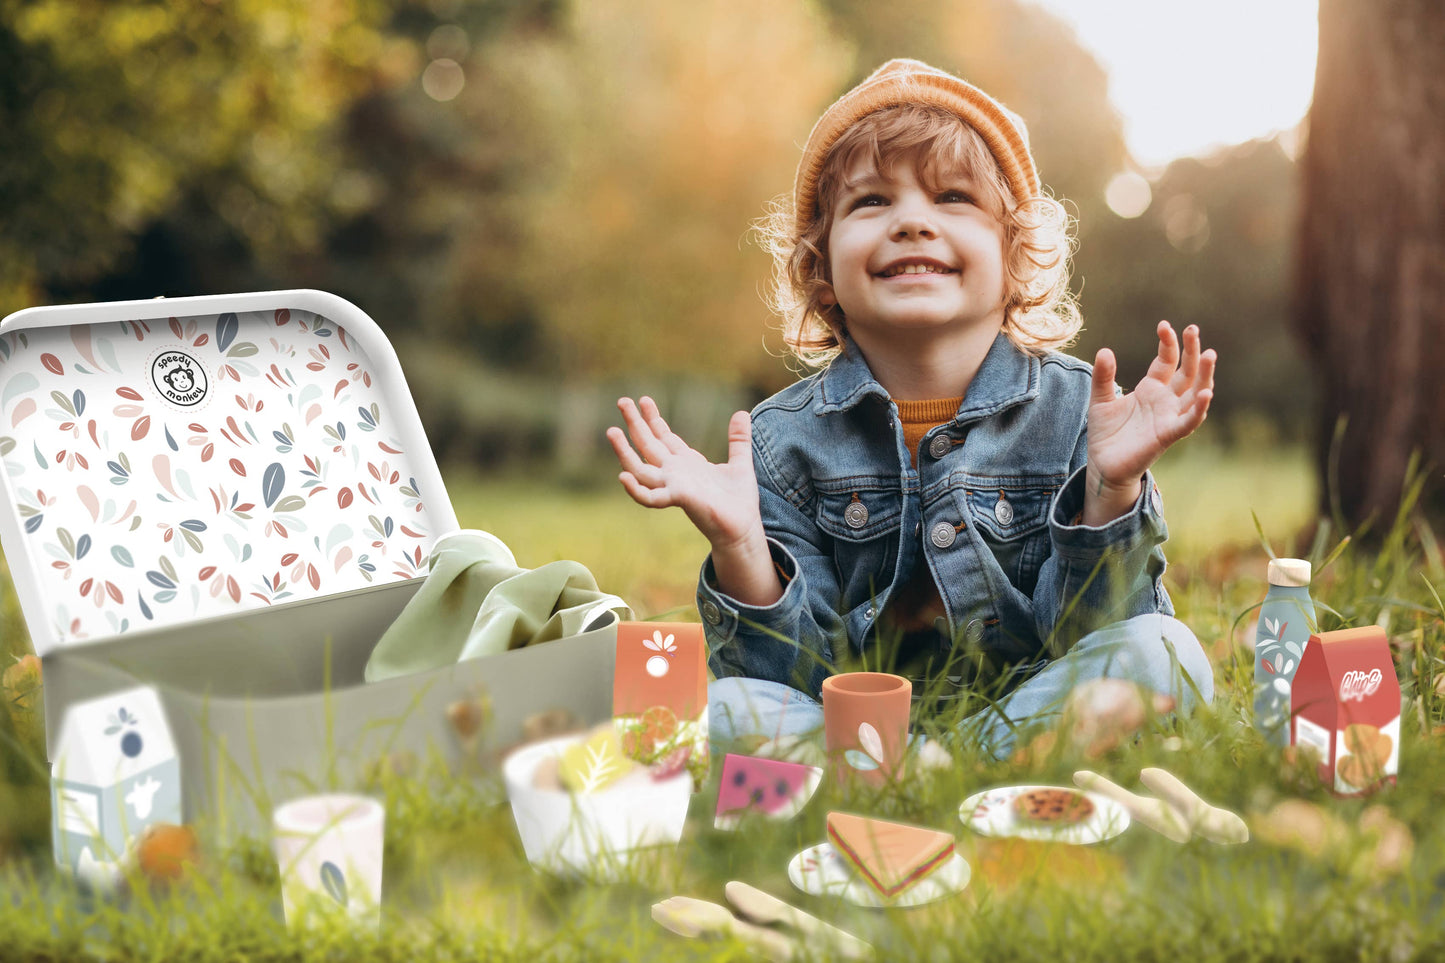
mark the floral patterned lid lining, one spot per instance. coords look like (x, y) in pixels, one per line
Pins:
(160, 470)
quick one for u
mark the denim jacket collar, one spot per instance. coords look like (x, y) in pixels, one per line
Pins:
(1007, 377)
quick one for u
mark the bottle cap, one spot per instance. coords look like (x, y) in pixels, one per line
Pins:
(1290, 572)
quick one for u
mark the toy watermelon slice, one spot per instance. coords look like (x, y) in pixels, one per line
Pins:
(777, 789)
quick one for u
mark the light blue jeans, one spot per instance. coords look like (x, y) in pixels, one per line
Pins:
(1156, 651)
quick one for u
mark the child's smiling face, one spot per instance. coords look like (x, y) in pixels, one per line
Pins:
(908, 254)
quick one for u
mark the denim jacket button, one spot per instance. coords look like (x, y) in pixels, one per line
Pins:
(973, 632)
(856, 515)
(939, 446)
(942, 535)
(710, 612)
(868, 615)
(1003, 511)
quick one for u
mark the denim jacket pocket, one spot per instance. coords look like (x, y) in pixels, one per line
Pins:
(1012, 516)
(864, 524)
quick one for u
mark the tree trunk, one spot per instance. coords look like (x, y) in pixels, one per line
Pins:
(1371, 268)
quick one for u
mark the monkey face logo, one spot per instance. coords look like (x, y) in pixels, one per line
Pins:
(179, 378)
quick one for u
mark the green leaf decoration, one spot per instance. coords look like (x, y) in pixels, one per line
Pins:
(594, 764)
(21, 384)
(334, 882)
(272, 483)
(119, 553)
(226, 328)
(291, 503)
(242, 349)
(67, 541)
(63, 402)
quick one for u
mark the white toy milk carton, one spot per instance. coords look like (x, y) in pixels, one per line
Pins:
(115, 773)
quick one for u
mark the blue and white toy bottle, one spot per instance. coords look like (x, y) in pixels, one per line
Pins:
(1285, 622)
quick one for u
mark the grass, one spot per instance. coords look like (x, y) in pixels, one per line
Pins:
(458, 886)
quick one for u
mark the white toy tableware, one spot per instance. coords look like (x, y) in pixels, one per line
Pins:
(598, 834)
(329, 851)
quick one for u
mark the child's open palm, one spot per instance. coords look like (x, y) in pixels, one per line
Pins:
(1128, 433)
(721, 500)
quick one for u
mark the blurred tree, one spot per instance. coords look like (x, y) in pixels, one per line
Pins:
(110, 111)
(671, 128)
(560, 191)
(1211, 249)
(1025, 57)
(1371, 307)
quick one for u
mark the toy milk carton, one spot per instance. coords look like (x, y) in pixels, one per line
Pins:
(230, 499)
(115, 773)
(659, 694)
(1345, 704)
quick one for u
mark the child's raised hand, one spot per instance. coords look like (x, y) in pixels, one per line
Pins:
(1128, 434)
(721, 500)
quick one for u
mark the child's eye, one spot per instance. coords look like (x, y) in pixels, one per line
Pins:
(954, 197)
(868, 200)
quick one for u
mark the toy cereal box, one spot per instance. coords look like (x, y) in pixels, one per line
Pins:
(659, 694)
(1345, 704)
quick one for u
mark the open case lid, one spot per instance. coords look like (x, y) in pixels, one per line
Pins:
(174, 460)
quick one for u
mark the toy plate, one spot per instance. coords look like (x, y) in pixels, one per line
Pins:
(820, 871)
(991, 813)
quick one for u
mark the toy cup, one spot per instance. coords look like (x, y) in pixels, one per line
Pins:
(329, 851)
(865, 724)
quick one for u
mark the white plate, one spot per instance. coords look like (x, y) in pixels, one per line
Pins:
(991, 813)
(820, 871)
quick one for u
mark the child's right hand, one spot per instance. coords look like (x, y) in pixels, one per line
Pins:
(721, 500)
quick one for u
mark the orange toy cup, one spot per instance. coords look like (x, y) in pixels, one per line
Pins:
(865, 723)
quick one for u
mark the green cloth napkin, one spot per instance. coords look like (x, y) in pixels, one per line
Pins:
(477, 602)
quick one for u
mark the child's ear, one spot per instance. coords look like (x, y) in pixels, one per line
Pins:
(827, 298)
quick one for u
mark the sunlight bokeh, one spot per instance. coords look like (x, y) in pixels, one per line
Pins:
(1191, 77)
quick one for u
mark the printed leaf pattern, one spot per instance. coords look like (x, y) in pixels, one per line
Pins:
(333, 881)
(594, 764)
(872, 755)
(136, 512)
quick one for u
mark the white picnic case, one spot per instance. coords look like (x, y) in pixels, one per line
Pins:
(230, 498)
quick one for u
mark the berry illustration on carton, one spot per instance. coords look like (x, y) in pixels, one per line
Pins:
(1345, 705)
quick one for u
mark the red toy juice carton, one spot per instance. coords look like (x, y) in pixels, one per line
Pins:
(1345, 704)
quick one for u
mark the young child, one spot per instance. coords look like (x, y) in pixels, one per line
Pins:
(948, 497)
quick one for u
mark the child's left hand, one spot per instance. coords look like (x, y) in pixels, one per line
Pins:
(1128, 433)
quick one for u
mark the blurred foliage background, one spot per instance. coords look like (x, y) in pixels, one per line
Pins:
(546, 203)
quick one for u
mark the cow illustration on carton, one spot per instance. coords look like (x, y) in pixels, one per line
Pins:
(1345, 705)
(115, 773)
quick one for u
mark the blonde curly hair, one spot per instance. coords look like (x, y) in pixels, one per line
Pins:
(1040, 313)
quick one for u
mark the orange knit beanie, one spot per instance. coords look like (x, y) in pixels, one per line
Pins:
(901, 82)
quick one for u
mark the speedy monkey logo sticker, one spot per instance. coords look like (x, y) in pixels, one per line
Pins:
(179, 378)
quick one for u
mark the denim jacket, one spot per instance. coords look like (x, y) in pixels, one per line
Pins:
(990, 510)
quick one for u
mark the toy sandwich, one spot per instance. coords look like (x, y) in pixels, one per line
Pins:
(892, 857)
